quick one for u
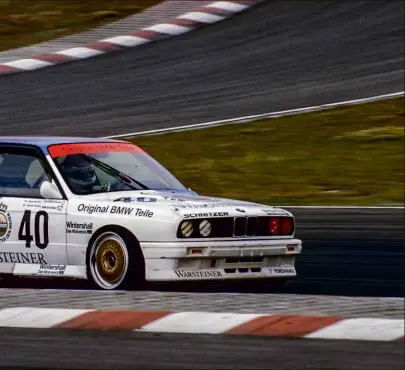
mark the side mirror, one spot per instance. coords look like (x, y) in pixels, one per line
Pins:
(192, 191)
(50, 191)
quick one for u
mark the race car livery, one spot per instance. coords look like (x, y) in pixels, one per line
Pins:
(106, 211)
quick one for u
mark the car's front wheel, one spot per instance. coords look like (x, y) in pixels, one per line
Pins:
(112, 261)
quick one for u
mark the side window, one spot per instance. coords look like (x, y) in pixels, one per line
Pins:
(36, 174)
(21, 174)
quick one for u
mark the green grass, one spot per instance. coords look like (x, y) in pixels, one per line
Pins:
(25, 22)
(343, 156)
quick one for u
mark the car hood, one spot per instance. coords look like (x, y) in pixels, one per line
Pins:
(189, 203)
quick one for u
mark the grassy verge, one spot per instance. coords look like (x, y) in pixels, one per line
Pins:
(27, 22)
(344, 156)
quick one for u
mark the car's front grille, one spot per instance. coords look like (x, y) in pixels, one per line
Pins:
(237, 227)
(245, 226)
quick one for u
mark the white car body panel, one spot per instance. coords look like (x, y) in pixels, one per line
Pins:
(153, 217)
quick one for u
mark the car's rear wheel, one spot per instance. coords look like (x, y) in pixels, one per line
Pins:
(112, 261)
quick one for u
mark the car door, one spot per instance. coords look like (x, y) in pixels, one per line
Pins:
(32, 229)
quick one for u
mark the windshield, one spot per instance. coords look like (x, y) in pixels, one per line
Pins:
(90, 168)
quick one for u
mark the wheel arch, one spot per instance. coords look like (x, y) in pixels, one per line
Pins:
(124, 233)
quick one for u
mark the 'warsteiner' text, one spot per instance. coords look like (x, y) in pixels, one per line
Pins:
(19, 257)
(197, 274)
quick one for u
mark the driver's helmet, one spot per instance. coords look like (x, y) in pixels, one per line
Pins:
(80, 173)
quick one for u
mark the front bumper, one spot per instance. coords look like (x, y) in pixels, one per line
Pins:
(220, 260)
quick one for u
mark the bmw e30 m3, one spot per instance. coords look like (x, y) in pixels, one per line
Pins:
(106, 211)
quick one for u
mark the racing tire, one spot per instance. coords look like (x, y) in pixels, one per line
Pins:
(114, 260)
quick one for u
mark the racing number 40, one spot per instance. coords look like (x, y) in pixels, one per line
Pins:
(24, 233)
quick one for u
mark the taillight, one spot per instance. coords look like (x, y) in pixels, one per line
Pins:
(281, 225)
(274, 226)
(287, 226)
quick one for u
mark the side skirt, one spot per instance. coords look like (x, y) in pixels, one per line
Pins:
(37, 270)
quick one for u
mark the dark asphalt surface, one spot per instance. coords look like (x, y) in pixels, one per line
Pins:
(279, 55)
(350, 251)
(64, 349)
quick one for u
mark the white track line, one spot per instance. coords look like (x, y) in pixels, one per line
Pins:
(258, 116)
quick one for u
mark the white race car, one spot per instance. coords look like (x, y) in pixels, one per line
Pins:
(104, 210)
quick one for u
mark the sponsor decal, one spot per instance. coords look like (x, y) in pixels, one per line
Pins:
(143, 213)
(274, 212)
(285, 270)
(140, 199)
(51, 270)
(32, 203)
(19, 257)
(215, 205)
(79, 228)
(131, 211)
(120, 210)
(6, 223)
(209, 214)
(125, 200)
(146, 199)
(59, 150)
(56, 205)
(182, 274)
(173, 199)
(92, 209)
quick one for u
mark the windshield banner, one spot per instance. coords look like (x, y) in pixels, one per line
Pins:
(60, 150)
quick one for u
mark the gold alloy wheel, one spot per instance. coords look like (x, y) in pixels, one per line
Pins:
(111, 261)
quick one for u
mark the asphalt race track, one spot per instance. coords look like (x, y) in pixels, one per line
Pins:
(350, 251)
(279, 55)
(87, 350)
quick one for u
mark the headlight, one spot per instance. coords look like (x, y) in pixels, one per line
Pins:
(205, 228)
(186, 228)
